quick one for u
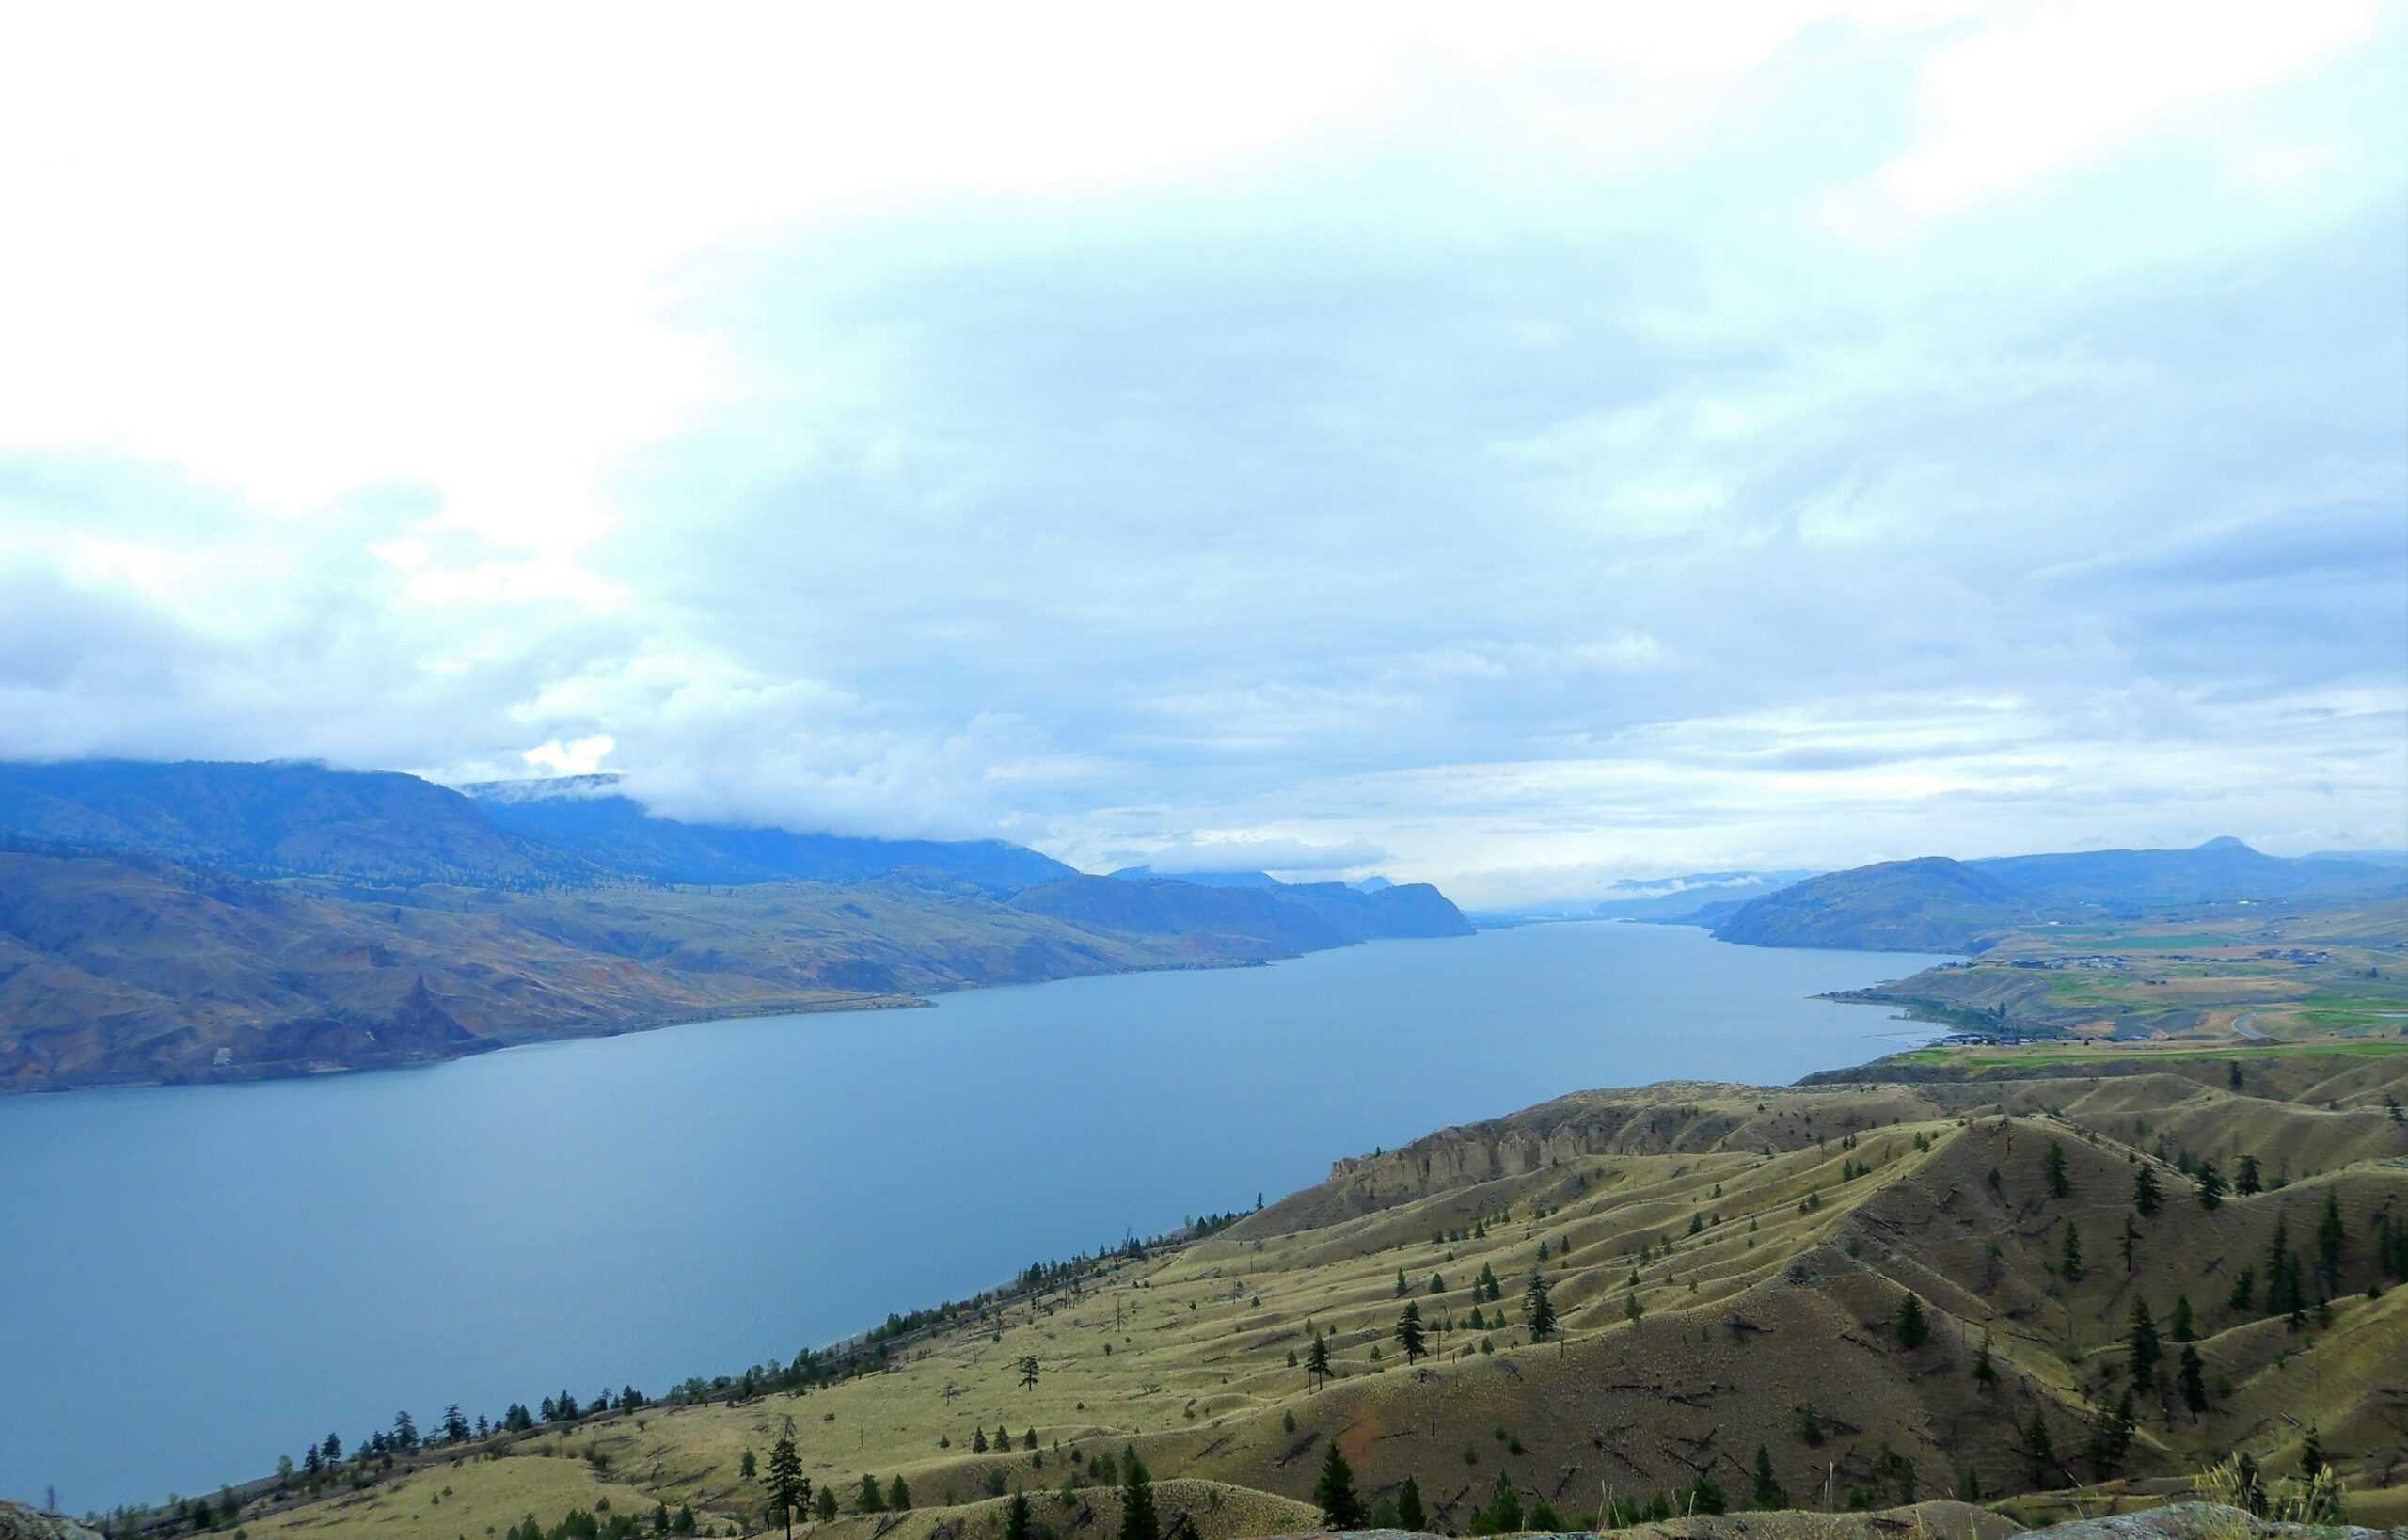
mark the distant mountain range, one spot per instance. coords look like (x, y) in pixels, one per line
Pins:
(1936, 904)
(1692, 898)
(200, 921)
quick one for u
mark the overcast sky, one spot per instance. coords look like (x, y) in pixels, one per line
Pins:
(1513, 448)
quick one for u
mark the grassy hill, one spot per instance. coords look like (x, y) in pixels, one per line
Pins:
(2220, 973)
(1936, 904)
(1726, 1265)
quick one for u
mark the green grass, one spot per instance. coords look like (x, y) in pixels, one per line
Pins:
(1978, 1061)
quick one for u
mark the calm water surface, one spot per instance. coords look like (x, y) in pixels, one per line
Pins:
(195, 1281)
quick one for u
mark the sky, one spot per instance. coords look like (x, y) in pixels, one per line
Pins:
(1513, 447)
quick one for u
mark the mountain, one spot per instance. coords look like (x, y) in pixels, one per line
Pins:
(191, 922)
(1280, 920)
(1935, 904)
(275, 821)
(1202, 879)
(584, 818)
(1683, 898)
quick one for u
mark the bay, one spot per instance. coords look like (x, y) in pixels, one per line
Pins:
(194, 1280)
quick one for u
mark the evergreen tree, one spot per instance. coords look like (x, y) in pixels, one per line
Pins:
(1016, 1518)
(2181, 1329)
(2244, 1292)
(2132, 1239)
(2039, 1449)
(1985, 1371)
(867, 1497)
(746, 1467)
(1503, 1513)
(899, 1496)
(2250, 1179)
(1410, 1514)
(1408, 1336)
(2193, 1378)
(1028, 1372)
(1768, 1492)
(1403, 1288)
(1340, 1509)
(2142, 1348)
(456, 1426)
(2330, 1236)
(2111, 1438)
(2070, 1258)
(2209, 1184)
(1317, 1361)
(1538, 1310)
(978, 1441)
(788, 1489)
(2053, 1171)
(333, 1447)
(2145, 1194)
(1913, 1326)
(1487, 1288)
(823, 1507)
(405, 1431)
(1138, 1520)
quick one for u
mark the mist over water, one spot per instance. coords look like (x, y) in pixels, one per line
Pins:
(253, 1267)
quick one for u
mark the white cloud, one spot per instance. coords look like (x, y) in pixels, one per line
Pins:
(1537, 445)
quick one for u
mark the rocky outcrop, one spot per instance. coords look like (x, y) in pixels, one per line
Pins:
(18, 1522)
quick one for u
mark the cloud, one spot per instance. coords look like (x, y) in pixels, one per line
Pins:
(1294, 858)
(1519, 457)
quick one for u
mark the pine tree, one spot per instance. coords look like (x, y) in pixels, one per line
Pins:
(2110, 1438)
(899, 1496)
(2182, 1331)
(746, 1467)
(2250, 1179)
(1768, 1492)
(2145, 1194)
(1028, 1372)
(1503, 1513)
(1340, 1509)
(1403, 1288)
(787, 1488)
(2330, 1235)
(2132, 1239)
(868, 1498)
(2039, 1449)
(1408, 1336)
(2070, 1260)
(2053, 1171)
(2193, 1378)
(1487, 1288)
(1410, 1514)
(1913, 1326)
(1538, 1310)
(1317, 1362)
(2142, 1347)
(1985, 1371)
(1016, 1518)
(823, 1507)
(2209, 1184)
(978, 1441)
(1138, 1520)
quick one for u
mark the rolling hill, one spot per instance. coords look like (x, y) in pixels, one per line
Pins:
(1936, 904)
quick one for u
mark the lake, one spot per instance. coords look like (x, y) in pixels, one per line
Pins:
(195, 1281)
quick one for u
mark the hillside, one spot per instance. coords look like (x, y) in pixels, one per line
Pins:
(1726, 1265)
(1935, 904)
(199, 922)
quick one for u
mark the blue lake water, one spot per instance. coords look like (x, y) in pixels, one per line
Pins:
(195, 1281)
